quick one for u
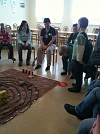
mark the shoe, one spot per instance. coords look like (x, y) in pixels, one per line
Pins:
(71, 110)
(38, 66)
(20, 63)
(47, 68)
(73, 84)
(73, 89)
(13, 59)
(63, 73)
(27, 63)
(71, 77)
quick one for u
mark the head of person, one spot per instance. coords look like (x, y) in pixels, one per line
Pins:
(82, 23)
(47, 22)
(63, 50)
(75, 28)
(2, 27)
(24, 25)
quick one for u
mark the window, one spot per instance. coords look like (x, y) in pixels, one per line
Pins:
(86, 8)
(52, 9)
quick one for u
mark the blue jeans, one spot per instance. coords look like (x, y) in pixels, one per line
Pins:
(65, 62)
(20, 48)
(90, 104)
(85, 126)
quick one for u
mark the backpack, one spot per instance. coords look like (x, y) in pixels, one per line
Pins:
(88, 49)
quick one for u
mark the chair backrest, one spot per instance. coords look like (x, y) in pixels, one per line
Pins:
(96, 30)
(15, 26)
(8, 28)
(65, 28)
(40, 27)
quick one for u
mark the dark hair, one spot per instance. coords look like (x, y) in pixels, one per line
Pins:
(2, 24)
(75, 25)
(22, 24)
(47, 20)
(83, 22)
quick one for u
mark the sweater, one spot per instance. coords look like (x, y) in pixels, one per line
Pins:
(4, 37)
(78, 47)
(24, 37)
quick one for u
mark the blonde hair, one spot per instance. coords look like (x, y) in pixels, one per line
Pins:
(63, 50)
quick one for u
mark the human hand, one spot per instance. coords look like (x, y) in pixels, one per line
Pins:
(96, 126)
(25, 45)
(6, 43)
(68, 76)
(81, 62)
(44, 47)
(3, 43)
(1, 37)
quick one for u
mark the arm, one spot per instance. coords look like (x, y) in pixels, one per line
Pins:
(69, 68)
(7, 37)
(51, 42)
(19, 39)
(70, 38)
(29, 38)
(96, 126)
(81, 41)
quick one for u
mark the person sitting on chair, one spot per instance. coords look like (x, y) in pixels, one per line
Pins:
(5, 41)
(90, 105)
(24, 39)
(71, 40)
(48, 43)
(67, 50)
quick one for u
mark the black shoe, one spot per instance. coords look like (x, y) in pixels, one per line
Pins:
(38, 66)
(13, 59)
(73, 89)
(20, 63)
(73, 84)
(47, 68)
(71, 110)
(63, 73)
(27, 62)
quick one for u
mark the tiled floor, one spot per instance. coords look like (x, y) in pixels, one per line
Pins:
(47, 115)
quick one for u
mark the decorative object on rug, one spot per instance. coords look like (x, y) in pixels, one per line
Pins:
(22, 92)
(62, 84)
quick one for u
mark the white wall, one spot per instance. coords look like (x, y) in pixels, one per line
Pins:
(7, 16)
(66, 21)
(28, 13)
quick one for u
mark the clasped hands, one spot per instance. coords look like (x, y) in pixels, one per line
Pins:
(44, 47)
(5, 43)
(25, 45)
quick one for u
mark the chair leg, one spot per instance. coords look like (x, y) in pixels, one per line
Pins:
(56, 55)
(34, 53)
(53, 56)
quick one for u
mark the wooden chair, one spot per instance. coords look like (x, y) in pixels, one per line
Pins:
(65, 28)
(15, 26)
(97, 71)
(14, 37)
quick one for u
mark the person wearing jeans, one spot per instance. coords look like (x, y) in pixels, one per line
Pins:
(89, 126)
(90, 106)
(24, 41)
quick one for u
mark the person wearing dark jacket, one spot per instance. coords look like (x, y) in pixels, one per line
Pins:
(71, 40)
